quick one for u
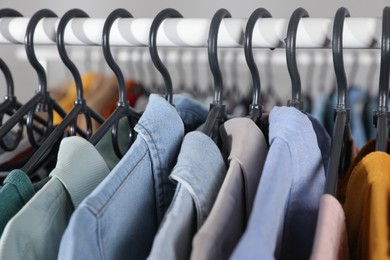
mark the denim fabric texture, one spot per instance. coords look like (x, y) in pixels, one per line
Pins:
(121, 216)
(283, 220)
(192, 112)
(199, 172)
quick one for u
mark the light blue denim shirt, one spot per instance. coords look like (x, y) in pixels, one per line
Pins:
(192, 112)
(121, 216)
(199, 172)
(283, 219)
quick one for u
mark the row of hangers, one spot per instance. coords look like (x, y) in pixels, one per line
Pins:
(42, 101)
(25, 115)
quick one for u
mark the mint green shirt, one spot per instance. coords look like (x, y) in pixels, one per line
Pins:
(35, 232)
(18, 188)
(15, 193)
(105, 147)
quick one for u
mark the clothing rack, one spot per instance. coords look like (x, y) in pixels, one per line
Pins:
(193, 32)
(173, 154)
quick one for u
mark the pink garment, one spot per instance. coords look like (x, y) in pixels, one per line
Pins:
(331, 235)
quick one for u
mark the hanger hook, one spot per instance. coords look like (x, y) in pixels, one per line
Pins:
(112, 17)
(11, 105)
(212, 50)
(381, 115)
(385, 64)
(291, 57)
(255, 16)
(29, 45)
(60, 37)
(160, 17)
(338, 61)
(10, 96)
(8, 79)
(7, 12)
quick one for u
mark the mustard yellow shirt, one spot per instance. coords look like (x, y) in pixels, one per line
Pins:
(367, 208)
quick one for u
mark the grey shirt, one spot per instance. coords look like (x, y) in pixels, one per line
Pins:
(247, 149)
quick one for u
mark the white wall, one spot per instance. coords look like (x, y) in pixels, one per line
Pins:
(24, 75)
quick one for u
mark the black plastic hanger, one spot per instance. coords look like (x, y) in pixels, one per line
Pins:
(381, 116)
(122, 109)
(10, 96)
(341, 133)
(41, 100)
(217, 109)
(160, 17)
(80, 106)
(291, 57)
(255, 110)
(10, 104)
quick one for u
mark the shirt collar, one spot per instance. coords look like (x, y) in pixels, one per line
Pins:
(291, 125)
(161, 127)
(79, 167)
(200, 169)
(22, 183)
(192, 112)
(162, 130)
(244, 142)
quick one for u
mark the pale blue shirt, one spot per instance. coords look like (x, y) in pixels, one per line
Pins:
(199, 173)
(283, 219)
